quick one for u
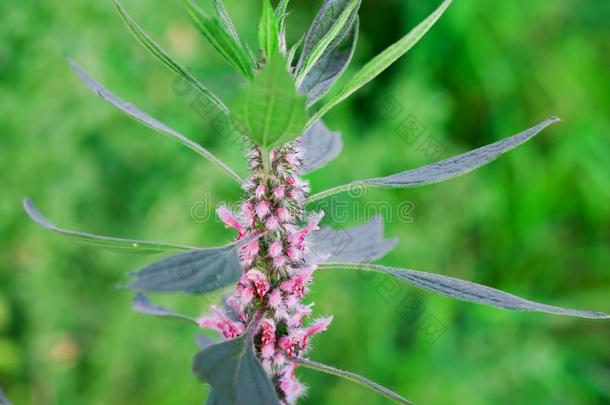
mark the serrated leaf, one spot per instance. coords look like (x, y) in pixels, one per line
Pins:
(270, 109)
(196, 272)
(381, 62)
(331, 26)
(319, 146)
(360, 244)
(268, 31)
(235, 374)
(467, 291)
(142, 304)
(227, 23)
(152, 47)
(445, 169)
(214, 31)
(132, 245)
(325, 73)
(352, 377)
(149, 121)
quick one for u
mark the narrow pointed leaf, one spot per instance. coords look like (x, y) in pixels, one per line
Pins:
(195, 272)
(213, 30)
(227, 23)
(322, 24)
(148, 43)
(235, 374)
(142, 304)
(325, 73)
(268, 31)
(352, 377)
(280, 10)
(132, 245)
(149, 121)
(445, 169)
(269, 108)
(319, 146)
(329, 34)
(360, 244)
(468, 291)
(382, 61)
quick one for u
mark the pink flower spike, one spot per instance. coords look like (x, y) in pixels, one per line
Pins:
(230, 221)
(275, 299)
(262, 209)
(275, 249)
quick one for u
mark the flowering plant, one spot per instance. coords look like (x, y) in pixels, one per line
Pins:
(264, 324)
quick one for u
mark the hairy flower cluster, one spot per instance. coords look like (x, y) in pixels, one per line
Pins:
(269, 295)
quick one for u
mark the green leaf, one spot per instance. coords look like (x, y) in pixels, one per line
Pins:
(359, 244)
(222, 13)
(195, 272)
(270, 109)
(392, 396)
(220, 38)
(235, 373)
(142, 304)
(466, 290)
(445, 169)
(149, 121)
(382, 61)
(120, 244)
(268, 31)
(319, 146)
(164, 58)
(325, 73)
(280, 11)
(327, 32)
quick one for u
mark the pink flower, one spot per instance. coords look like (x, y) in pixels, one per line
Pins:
(289, 384)
(262, 209)
(279, 261)
(298, 340)
(247, 212)
(298, 283)
(279, 192)
(272, 223)
(275, 299)
(283, 214)
(296, 320)
(220, 322)
(260, 191)
(230, 221)
(275, 249)
(295, 254)
(267, 338)
(249, 251)
(259, 282)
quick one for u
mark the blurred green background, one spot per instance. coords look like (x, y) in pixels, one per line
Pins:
(536, 222)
